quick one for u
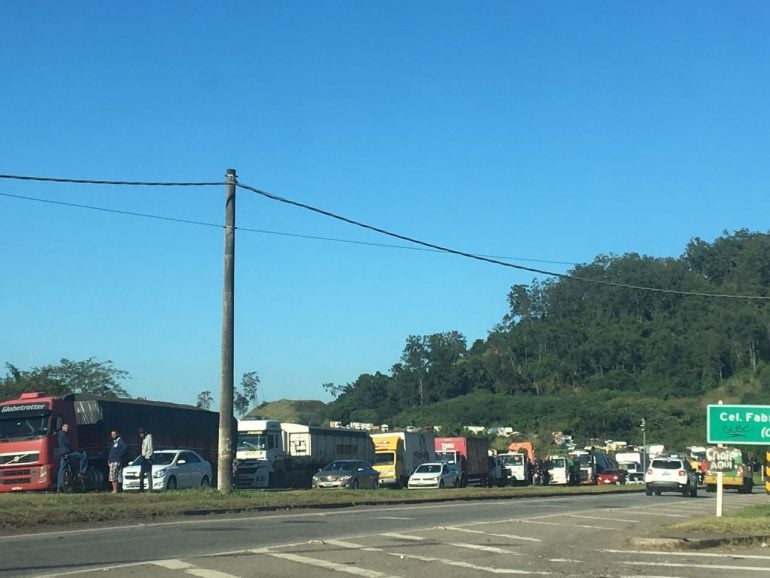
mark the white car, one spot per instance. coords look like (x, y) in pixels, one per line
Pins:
(671, 474)
(171, 469)
(435, 475)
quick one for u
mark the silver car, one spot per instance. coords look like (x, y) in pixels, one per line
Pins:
(351, 474)
(171, 469)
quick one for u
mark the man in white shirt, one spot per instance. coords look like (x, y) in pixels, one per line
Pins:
(146, 466)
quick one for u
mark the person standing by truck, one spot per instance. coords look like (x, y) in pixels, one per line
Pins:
(115, 459)
(146, 466)
(65, 453)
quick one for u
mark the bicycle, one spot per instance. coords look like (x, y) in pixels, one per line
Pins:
(72, 480)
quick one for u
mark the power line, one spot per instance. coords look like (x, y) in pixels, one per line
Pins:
(101, 182)
(116, 211)
(489, 259)
(432, 246)
(252, 230)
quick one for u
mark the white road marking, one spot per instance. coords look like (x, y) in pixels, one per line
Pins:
(662, 514)
(403, 536)
(566, 525)
(490, 549)
(392, 518)
(344, 568)
(172, 564)
(467, 565)
(704, 566)
(191, 569)
(605, 519)
(496, 535)
(689, 554)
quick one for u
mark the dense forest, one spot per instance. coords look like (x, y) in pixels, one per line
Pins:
(591, 354)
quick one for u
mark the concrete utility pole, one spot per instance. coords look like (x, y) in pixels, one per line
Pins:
(225, 461)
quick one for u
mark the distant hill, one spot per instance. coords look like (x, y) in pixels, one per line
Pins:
(308, 412)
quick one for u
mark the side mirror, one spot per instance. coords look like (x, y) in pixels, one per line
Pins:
(181, 462)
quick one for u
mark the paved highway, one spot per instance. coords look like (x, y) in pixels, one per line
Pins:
(559, 536)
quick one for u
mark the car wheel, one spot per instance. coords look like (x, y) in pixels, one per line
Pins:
(171, 484)
(205, 483)
(354, 485)
(441, 484)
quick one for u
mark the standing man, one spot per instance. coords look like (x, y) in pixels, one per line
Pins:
(146, 467)
(115, 459)
(65, 452)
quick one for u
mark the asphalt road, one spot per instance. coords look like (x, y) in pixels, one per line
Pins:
(562, 536)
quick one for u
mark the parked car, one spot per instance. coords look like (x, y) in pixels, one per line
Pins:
(435, 475)
(171, 469)
(670, 474)
(612, 477)
(351, 474)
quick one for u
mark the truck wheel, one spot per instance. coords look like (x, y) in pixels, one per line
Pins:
(710, 488)
(648, 491)
(171, 484)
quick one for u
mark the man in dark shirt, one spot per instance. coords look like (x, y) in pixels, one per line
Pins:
(65, 452)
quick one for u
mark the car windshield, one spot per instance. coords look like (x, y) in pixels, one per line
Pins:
(340, 466)
(428, 469)
(162, 458)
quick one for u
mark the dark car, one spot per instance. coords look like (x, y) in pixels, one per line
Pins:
(352, 474)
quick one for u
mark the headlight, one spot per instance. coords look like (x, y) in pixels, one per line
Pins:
(159, 473)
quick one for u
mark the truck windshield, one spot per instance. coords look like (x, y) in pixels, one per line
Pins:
(556, 463)
(249, 442)
(23, 428)
(384, 458)
(449, 457)
(516, 460)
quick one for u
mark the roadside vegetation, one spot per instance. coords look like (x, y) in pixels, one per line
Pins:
(751, 521)
(37, 512)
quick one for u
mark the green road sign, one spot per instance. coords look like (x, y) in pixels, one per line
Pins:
(738, 424)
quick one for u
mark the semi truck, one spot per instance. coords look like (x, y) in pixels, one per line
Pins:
(592, 462)
(397, 455)
(29, 457)
(273, 454)
(471, 454)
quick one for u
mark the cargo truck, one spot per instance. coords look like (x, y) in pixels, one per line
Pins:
(631, 462)
(29, 458)
(737, 473)
(397, 455)
(272, 454)
(518, 467)
(471, 454)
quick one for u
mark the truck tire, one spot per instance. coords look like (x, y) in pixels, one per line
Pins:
(711, 488)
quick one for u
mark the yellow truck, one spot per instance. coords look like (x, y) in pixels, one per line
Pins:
(397, 454)
(736, 470)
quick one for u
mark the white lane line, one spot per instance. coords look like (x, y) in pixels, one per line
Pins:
(496, 535)
(605, 519)
(689, 554)
(660, 514)
(344, 568)
(566, 525)
(403, 536)
(490, 549)
(704, 566)
(191, 569)
(172, 564)
(392, 518)
(468, 565)
(567, 560)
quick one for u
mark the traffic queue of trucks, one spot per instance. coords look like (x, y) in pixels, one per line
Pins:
(471, 454)
(29, 456)
(272, 454)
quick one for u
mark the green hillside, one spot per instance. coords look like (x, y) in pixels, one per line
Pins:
(308, 412)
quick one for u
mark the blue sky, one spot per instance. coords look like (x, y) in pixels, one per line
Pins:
(545, 132)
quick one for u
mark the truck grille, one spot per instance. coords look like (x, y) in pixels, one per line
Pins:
(13, 476)
(25, 458)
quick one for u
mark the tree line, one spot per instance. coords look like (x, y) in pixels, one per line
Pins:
(585, 358)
